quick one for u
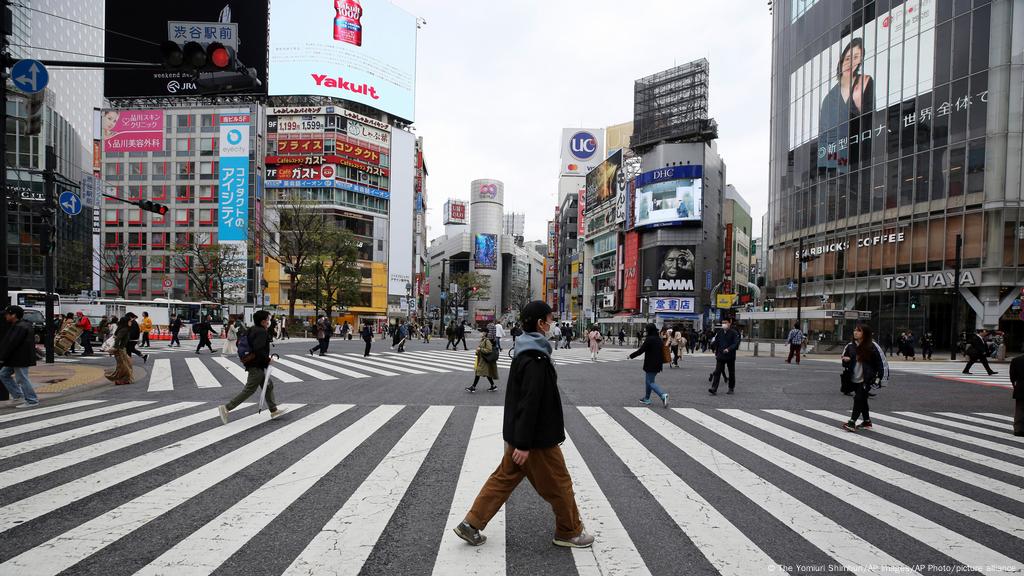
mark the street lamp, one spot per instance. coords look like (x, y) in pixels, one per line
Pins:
(408, 298)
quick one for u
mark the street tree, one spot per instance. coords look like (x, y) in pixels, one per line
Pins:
(216, 272)
(293, 236)
(472, 285)
(117, 266)
(332, 277)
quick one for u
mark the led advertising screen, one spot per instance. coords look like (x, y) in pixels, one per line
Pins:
(604, 182)
(485, 251)
(668, 269)
(669, 196)
(359, 50)
(134, 30)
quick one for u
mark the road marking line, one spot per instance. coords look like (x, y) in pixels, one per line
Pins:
(364, 365)
(161, 380)
(486, 448)
(380, 361)
(211, 545)
(614, 553)
(976, 420)
(953, 544)
(346, 541)
(996, 416)
(55, 498)
(21, 415)
(974, 441)
(200, 373)
(74, 457)
(66, 436)
(329, 366)
(64, 551)
(61, 420)
(967, 427)
(241, 375)
(459, 364)
(853, 552)
(304, 369)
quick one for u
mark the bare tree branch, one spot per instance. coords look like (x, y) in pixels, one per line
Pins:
(114, 263)
(213, 270)
(294, 238)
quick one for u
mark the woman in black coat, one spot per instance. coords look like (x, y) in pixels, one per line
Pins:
(653, 359)
(862, 365)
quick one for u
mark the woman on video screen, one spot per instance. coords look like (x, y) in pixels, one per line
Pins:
(853, 95)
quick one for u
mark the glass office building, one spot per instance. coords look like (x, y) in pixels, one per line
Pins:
(896, 128)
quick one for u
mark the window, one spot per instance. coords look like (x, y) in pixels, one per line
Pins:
(186, 123)
(208, 123)
(182, 146)
(182, 216)
(184, 170)
(112, 217)
(208, 171)
(135, 217)
(136, 170)
(113, 172)
(207, 216)
(158, 263)
(136, 239)
(159, 193)
(183, 193)
(208, 146)
(161, 170)
(207, 194)
(159, 240)
(112, 239)
(182, 238)
(136, 193)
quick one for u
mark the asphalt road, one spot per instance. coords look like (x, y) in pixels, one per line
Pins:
(377, 460)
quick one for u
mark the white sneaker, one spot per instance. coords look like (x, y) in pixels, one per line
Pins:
(274, 415)
(13, 402)
(27, 405)
(223, 413)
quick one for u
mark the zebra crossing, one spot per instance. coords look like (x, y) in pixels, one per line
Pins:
(153, 488)
(949, 370)
(212, 371)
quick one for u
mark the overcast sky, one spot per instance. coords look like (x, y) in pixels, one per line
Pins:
(497, 81)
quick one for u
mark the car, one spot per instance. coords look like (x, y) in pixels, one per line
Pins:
(38, 323)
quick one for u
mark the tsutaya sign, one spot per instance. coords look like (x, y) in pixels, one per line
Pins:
(928, 280)
(861, 243)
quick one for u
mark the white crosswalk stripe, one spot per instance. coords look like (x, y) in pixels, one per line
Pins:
(200, 373)
(949, 370)
(77, 520)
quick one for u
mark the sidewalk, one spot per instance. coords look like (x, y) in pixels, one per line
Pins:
(56, 380)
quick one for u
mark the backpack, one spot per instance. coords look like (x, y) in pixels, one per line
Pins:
(195, 328)
(492, 356)
(245, 353)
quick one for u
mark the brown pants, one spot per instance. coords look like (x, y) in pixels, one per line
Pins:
(545, 469)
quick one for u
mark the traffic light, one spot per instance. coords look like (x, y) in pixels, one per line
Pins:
(47, 230)
(150, 206)
(194, 57)
(913, 302)
(219, 58)
(766, 306)
(34, 113)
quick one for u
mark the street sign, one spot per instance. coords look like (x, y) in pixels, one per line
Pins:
(70, 203)
(791, 285)
(707, 280)
(168, 284)
(30, 76)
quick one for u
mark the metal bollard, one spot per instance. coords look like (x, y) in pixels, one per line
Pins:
(755, 349)
(773, 350)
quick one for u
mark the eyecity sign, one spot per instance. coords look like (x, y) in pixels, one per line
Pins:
(866, 242)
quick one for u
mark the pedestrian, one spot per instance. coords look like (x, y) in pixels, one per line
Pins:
(908, 346)
(425, 333)
(175, 328)
(486, 363)
(450, 333)
(282, 329)
(203, 330)
(887, 344)
(795, 341)
(82, 322)
(17, 354)
(862, 365)
(146, 327)
(977, 351)
(460, 336)
(569, 334)
(927, 346)
(517, 331)
(122, 372)
(556, 335)
(259, 345)
(622, 336)
(231, 338)
(367, 334)
(346, 331)
(533, 429)
(499, 333)
(594, 339)
(272, 331)
(322, 328)
(404, 334)
(133, 338)
(678, 345)
(1017, 379)
(654, 357)
(726, 343)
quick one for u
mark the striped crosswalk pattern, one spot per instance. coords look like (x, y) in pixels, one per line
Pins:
(954, 371)
(173, 373)
(343, 489)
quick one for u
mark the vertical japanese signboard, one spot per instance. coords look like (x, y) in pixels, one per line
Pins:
(233, 213)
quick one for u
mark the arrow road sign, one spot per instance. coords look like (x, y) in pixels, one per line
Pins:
(30, 76)
(70, 203)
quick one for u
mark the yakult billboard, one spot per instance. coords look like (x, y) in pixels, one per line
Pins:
(358, 50)
(582, 150)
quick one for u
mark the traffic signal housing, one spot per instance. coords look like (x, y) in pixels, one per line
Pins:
(194, 57)
(150, 206)
(34, 113)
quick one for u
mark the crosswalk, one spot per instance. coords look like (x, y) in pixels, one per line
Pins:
(213, 371)
(155, 488)
(949, 370)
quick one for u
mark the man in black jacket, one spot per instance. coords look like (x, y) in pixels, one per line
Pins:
(533, 428)
(654, 357)
(367, 334)
(259, 344)
(203, 329)
(1017, 379)
(725, 356)
(17, 353)
(977, 351)
(460, 336)
(175, 329)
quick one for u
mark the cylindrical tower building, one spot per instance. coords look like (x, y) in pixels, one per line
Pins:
(486, 207)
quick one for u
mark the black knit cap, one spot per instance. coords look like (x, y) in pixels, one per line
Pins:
(535, 311)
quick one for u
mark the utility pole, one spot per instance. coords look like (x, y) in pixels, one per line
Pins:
(955, 335)
(800, 284)
(49, 217)
(5, 30)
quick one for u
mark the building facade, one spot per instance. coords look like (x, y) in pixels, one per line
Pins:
(896, 132)
(736, 264)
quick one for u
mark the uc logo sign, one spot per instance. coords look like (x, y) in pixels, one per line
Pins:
(583, 145)
(234, 137)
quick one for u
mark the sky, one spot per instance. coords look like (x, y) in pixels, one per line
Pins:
(497, 81)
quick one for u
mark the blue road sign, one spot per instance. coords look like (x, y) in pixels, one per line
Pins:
(791, 285)
(30, 76)
(70, 203)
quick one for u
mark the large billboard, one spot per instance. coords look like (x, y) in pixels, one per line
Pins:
(133, 130)
(605, 182)
(134, 30)
(485, 251)
(358, 50)
(582, 150)
(233, 183)
(669, 196)
(668, 269)
(455, 212)
(401, 207)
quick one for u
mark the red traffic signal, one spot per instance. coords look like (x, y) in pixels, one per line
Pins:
(219, 56)
(150, 206)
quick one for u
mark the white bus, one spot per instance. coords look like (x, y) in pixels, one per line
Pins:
(161, 310)
(33, 299)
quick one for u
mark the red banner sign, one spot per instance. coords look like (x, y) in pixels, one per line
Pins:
(631, 270)
(300, 146)
(356, 151)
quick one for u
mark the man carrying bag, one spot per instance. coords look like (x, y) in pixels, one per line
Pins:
(256, 361)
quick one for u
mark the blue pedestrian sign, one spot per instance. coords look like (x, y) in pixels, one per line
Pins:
(791, 285)
(30, 76)
(70, 203)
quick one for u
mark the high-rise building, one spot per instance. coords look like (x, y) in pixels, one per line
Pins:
(736, 265)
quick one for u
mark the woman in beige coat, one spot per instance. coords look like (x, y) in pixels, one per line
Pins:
(486, 363)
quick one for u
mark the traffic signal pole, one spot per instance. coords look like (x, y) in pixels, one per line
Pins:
(5, 26)
(49, 229)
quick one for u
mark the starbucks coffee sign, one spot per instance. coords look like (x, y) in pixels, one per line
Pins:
(927, 280)
(866, 242)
